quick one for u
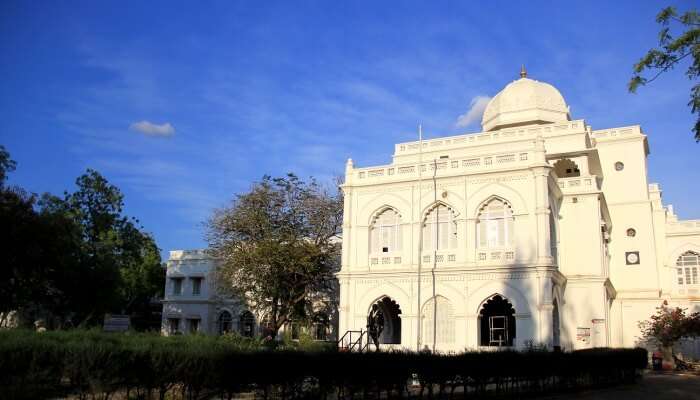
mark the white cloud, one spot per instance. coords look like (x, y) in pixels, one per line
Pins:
(151, 129)
(476, 110)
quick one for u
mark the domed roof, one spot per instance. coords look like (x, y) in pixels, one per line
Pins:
(522, 102)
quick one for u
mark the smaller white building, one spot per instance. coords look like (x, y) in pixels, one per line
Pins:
(192, 303)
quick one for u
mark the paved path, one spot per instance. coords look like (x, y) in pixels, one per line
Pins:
(652, 387)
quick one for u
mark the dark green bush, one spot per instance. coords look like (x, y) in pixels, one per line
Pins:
(93, 364)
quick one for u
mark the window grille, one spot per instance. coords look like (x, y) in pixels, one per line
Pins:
(495, 225)
(385, 233)
(246, 324)
(173, 325)
(440, 229)
(224, 322)
(177, 286)
(196, 286)
(438, 318)
(687, 266)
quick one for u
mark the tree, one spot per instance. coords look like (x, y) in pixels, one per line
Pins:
(278, 247)
(6, 164)
(672, 51)
(121, 264)
(668, 326)
(73, 258)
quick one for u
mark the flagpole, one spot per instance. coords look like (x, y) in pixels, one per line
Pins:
(420, 232)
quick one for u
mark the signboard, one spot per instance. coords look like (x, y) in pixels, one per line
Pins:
(116, 323)
(583, 334)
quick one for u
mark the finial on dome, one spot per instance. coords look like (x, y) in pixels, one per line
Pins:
(523, 73)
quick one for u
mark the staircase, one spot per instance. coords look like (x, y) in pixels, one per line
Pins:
(355, 341)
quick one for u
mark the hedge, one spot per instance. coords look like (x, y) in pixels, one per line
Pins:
(84, 364)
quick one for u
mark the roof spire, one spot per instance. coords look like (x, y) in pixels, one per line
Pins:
(523, 73)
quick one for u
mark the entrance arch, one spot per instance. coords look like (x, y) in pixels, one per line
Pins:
(386, 313)
(224, 322)
(246, 324)
(497, 322)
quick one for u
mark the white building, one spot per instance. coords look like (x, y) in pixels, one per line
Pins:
(538, 230)
(192, 303)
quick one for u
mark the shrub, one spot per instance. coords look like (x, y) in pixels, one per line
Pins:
(95, 364)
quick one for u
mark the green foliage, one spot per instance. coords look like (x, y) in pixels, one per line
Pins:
(6, 164)
(94, 364)
(672, 50)
(669, 325)
(71, 259)
(278, 249)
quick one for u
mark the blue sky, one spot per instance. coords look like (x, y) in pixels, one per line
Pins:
(183, 104)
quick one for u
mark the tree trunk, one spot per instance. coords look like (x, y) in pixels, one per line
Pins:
(668, 363)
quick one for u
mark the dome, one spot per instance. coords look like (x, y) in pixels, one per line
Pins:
(523, 102)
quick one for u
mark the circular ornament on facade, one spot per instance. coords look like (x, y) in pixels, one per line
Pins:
(632, 258)
(619, 166)
(631, 232)
(444, 194)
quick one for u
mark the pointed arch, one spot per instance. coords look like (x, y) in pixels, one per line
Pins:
(428, 208)
(687, 268)
(439, 227)
(673, 255)
(495, 224)
(437, 321)
(364, 215)
(497, 324)
(491, 288)
(246, 324)
(380, 210)
(382, 289)
(385, 231)
(482, 195)
(384, 318)
(224, 322)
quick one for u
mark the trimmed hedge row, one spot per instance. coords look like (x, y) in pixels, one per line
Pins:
(91, 364)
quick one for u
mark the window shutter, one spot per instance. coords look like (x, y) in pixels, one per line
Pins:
(482, 234)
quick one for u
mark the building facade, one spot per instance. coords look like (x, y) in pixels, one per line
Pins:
(540, 230)
(193, 303)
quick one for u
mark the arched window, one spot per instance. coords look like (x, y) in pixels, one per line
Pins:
(687, 267)
(566, 168)
(246, 324)
(320, 326)
(440, 229)
(385, 232)
(224, 322)
(437, 316)
(497, 322)
(495, 224)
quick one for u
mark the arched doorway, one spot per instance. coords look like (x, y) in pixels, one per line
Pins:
(555, 324)
(497, 322)
(320, 326)
(386, 314)
(224, 322)
(246, 324)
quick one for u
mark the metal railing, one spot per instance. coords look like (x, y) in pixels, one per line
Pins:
(354, 341)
